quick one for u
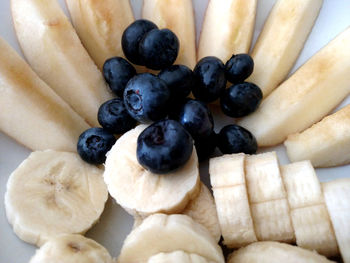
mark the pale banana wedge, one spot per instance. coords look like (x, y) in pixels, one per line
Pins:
(31, 112)
(178, 16)
(141, 192)
(281, 40)
(228, 28)
(71, 249)
(54, 51)
(337, 197)
(274, 252)
(331, 135)
(167, 233)
(177, 257)
(306, 97)
(100, 25)
(53, 193)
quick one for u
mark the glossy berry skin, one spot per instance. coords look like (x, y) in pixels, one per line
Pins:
(210, 79)
(114, 117)
(241, 99)
(159, 49)
(146, 98)
(132, 37)
(239, 68)
(236, 139)
(164, 146)
(93, 144)
(205, 147)
(117, 72)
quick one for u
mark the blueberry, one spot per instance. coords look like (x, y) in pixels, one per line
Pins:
(241, 99)
(117, 72)
(205, 147)
(236, 139)
(131, 38)
(146, 98)
(210, 79)
(164, 146)
(159, 49)
(113, 116)
(239, 68)
(93, 144)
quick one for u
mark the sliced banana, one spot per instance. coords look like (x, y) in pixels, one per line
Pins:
(52, 193)
(141, 192)
(177, 257)
(71, 249)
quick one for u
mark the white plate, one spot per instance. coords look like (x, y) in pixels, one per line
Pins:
(115, 223)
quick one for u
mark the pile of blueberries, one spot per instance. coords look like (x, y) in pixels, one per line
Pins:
(177, 121)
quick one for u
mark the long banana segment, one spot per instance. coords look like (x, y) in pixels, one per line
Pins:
(55, 52)
(307, 96)
(337, 197)
(281, 40)
(178, 16)
(176, 257)
(142, 192)
(274, 252)
(100, 26)
(231, 198)
(31, 112)
(167, 233)
(52, 193)
(227, 28)
(71, 249)
(331, 135)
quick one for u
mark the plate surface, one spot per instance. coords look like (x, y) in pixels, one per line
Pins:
(115, 224)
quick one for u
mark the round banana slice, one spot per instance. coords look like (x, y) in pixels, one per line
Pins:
(71, 249)
(141, 192)
(167, 233)
(52, 193)
(176, 257)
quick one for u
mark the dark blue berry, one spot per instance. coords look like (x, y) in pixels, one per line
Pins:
(241, 99)
(239, 68)
(164, 146)
(117, 72)
(236, 139)
(93, 144)
(159, 49)
(131, 38)
(146, 98)
(210, 79)
(114, 117)
(205, 147)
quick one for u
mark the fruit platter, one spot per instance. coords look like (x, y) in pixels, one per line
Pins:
(163, 131)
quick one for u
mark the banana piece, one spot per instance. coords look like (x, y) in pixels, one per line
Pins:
(167, 233)
(281, 41)
(306, 97)
(228, 28)
(141, 192)
(331, 135)
(56, 54)
(176, 257)
(61, 194)
(337, 196)
(178, 16)
(100, 26)
(31, 112)
(71, 249)
(274, 252)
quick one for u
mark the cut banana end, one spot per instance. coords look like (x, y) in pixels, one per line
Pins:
(52, 193)
(177, 257)
(141, 192)
(71, 249)
(337, 197)
(274, 252)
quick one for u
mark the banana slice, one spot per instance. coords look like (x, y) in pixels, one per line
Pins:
(274, 252)
(31, 112)
(337, 196)
(141, 192)
(71, 249)
(176, 257)
(167, 233)
(54, 51)
(52, 193)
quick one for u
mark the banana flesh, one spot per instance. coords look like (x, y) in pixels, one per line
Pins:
(176, 257)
